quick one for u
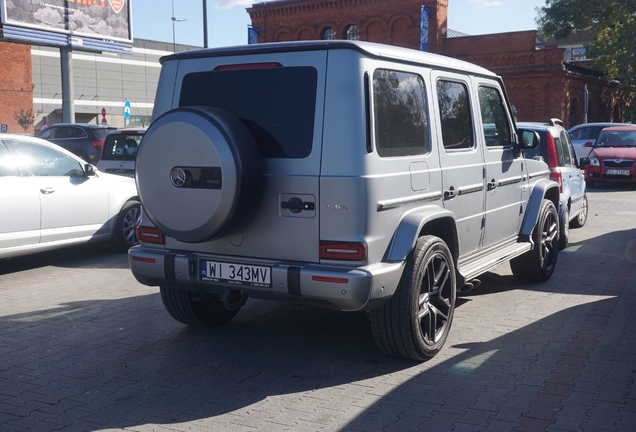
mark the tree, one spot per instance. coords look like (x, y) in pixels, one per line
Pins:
(24, 118)
(613, 27)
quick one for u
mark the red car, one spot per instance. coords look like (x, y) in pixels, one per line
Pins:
(613, 156)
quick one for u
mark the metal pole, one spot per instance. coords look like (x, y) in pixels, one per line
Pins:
(68, 104)
(205, 23)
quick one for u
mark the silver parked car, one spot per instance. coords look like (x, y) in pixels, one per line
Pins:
(348, 175)
(557, 151)
(51, 198)
(587, 133)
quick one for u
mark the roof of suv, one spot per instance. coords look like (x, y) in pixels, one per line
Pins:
(368, 48)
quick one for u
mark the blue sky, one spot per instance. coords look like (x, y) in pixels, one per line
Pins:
(228, 20)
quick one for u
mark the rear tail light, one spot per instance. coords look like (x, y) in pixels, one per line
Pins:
(555, 174)
(343, 251)
(98, 144)
(149, 234)
(553, 161)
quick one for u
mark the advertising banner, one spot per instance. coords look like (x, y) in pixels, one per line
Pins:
(98, 19)
(424, 29)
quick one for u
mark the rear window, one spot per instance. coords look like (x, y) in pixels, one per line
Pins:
(277, 104)
(121, 147)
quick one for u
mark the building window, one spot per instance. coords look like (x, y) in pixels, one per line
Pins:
(352, 33)
(329, 34)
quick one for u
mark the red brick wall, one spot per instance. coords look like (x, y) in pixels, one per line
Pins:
(394, 22)
(16, 83)
(537, 82)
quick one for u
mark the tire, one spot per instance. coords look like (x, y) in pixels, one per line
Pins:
(538, 264)
(581, 218)
(199, 174)
(126, 225)
(564, 236)
(194, 309)
(414, 324)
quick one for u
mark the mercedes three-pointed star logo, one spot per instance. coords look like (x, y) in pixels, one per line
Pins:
(177, 177)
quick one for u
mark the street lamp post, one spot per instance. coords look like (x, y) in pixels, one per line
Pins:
(174, 44)
(205, 23)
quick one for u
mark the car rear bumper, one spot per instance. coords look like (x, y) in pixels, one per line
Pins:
(340, 287)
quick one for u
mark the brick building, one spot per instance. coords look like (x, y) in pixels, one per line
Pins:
(540, 82)
(16, 85)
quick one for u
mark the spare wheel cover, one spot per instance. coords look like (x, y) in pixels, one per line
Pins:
(199, 173)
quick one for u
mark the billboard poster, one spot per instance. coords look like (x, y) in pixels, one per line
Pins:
(99, 19)
(424, 28)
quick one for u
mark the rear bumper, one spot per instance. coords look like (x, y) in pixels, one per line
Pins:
(340, 287)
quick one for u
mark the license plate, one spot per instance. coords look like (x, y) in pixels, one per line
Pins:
(239, 274)
(617, 172)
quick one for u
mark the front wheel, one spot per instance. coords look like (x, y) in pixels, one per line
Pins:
(415, 323)
(538, 264)
(195, 309)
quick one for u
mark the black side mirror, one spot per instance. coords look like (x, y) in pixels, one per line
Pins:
(89, 170)
(584, 161)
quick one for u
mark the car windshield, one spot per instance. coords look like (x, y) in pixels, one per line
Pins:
(616, 139)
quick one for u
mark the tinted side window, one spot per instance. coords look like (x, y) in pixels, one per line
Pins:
(568, 151)
(276, 104)
(400, 113)
(455, 115)
(74, 132)
(494, 118)
(558, 144)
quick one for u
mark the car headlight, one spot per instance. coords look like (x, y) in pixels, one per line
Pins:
(594, 161)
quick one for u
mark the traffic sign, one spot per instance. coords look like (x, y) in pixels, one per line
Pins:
(4, 128)
(127, 109)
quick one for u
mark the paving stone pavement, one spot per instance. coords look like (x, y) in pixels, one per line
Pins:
(84, 347)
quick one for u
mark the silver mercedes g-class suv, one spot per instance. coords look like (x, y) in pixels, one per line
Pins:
(348, 175)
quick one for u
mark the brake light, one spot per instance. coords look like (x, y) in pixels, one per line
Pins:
(343, 251)
(98, 143)
(248, 66)
(555, 174)
(149, 234)
(553, 161)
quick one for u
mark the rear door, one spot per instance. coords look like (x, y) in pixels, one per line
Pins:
(461, 157)
(571, 176)
(279, 97)
(72, 205)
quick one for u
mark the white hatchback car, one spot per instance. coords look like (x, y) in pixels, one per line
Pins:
(120, 151)
(51, 198)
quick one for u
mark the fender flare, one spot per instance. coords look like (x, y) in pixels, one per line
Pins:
(410, 226)
(543, 188)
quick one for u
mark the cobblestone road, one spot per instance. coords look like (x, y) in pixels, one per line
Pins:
(84, 347)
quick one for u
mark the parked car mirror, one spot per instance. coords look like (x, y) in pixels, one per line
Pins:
(89, 170)
(529, 139)
(584, 161)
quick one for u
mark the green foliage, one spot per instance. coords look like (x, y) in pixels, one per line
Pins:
(613, 27)
(25, 118)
